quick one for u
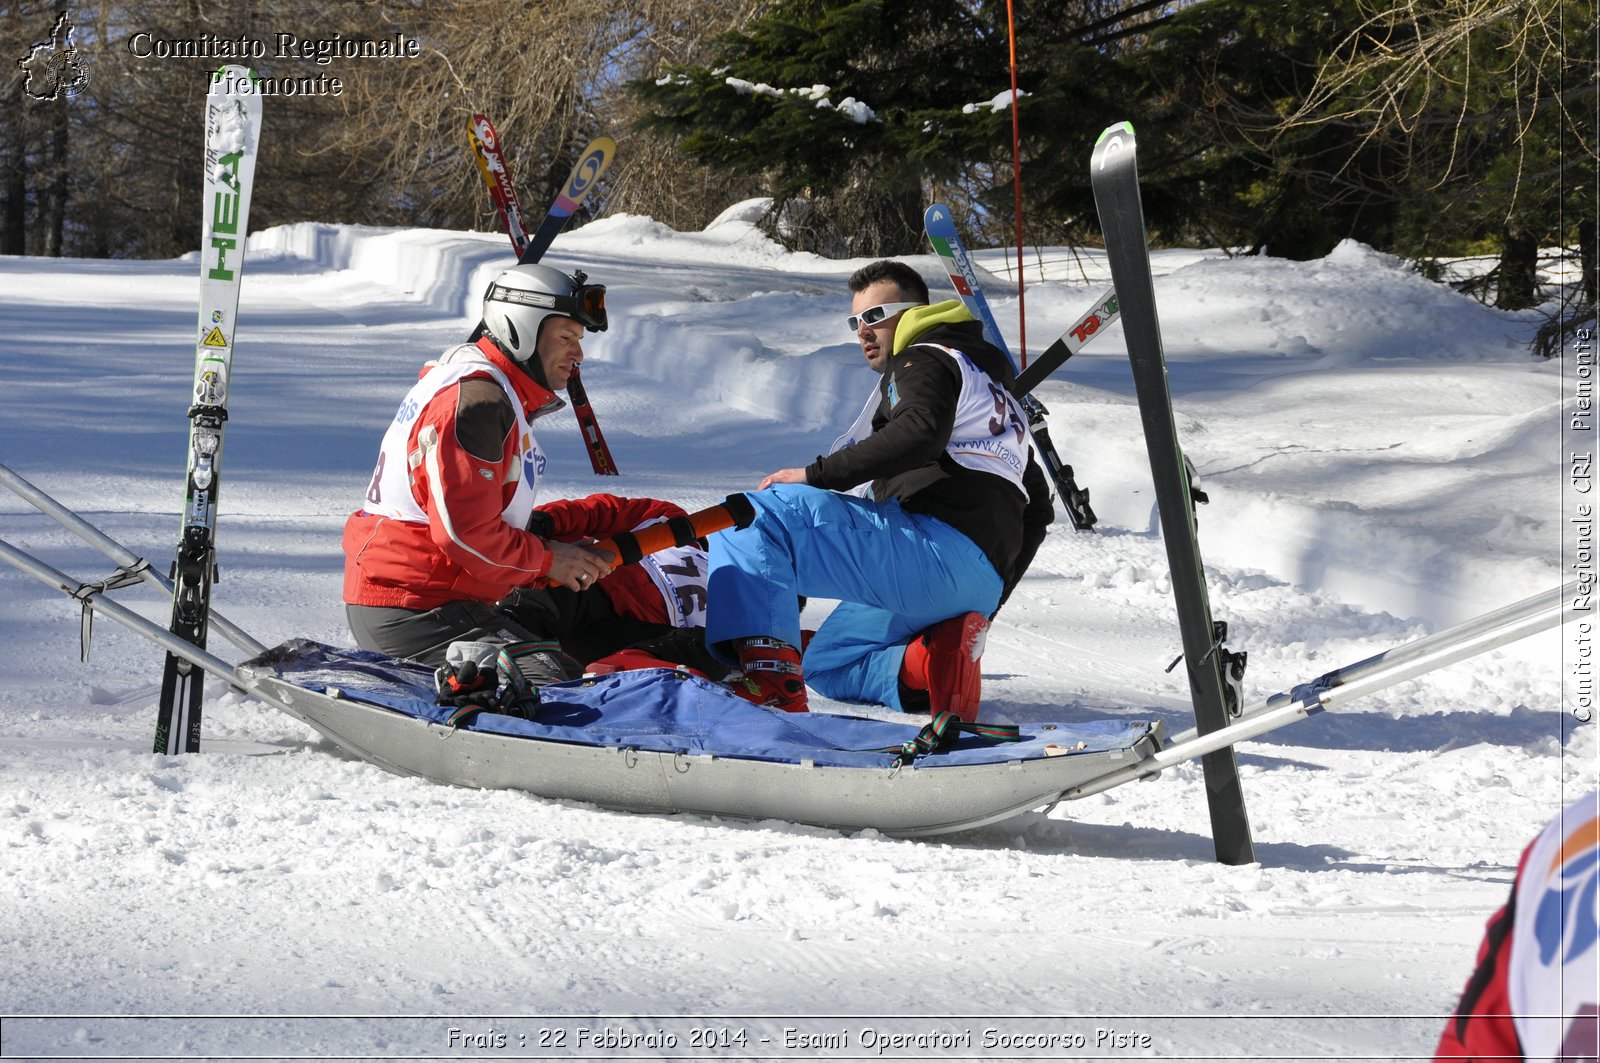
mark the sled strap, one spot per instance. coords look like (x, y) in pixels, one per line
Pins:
(125, 576)
(942, 731)
(735, 511)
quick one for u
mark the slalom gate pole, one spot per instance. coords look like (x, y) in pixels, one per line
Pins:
(1016, 184)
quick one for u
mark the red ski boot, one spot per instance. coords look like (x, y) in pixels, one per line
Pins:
(772, 674)
(946, 661)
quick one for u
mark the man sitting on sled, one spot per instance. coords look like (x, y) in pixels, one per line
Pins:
(450, 546)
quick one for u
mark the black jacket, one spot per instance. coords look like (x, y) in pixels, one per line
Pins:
(905, 456)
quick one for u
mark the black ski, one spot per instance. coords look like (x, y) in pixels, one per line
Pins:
(1212, 668)
(585, 175)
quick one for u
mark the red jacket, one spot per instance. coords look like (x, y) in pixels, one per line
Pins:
(1482, 1026)
(1536, 990)
(467, 551)
(632, 592)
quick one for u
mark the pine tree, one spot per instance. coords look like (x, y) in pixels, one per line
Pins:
(850, 109)
(1218, 80)
(1495, 106)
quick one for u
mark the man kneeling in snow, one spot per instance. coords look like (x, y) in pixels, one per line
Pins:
(955, 507)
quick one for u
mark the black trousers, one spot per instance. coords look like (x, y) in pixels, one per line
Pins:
(584, 622)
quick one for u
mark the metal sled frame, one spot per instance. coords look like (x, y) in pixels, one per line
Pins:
(909, 801)
(904, 802)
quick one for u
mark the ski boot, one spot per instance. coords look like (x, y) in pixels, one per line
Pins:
(946, 662)
(771, 674)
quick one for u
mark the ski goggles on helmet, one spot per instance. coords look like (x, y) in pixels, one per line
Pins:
(874, 314)
(589, 303)
(586, 303)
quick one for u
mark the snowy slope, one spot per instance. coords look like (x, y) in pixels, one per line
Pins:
(1383, 460)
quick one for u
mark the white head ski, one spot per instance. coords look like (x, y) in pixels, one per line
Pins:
(233, 133)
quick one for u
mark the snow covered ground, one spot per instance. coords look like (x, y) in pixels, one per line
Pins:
(1383, 460)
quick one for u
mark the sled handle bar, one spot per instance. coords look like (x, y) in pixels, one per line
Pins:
(93, 597)
(127, 559)
(1534, 614)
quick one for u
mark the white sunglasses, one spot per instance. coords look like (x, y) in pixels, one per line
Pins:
(874, 314)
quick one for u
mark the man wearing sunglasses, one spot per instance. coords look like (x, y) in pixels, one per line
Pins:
(450, 528)
(915, 522)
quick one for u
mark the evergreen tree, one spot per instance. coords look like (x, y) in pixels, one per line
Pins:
(1216, 81)
(850, 109)
(1495, 106)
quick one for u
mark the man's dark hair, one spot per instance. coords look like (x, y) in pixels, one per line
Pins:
(903, 276)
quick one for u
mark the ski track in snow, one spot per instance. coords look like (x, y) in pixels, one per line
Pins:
(1383, 460)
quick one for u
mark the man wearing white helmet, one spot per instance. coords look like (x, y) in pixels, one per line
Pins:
(450, 527)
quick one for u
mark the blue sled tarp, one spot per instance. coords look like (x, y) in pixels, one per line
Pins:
(666, 711)
(661, 741)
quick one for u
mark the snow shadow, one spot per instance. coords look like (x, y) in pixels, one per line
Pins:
(1430, 732)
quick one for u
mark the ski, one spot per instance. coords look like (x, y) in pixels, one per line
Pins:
(233, 130)
(1215, 673)
(485, 144)
(941, 230)
(600, 459)
(588, 169)
(586, 172)
(1105, 310)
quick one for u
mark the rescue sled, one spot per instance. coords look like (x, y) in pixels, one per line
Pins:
(662, 740)
(655, 740)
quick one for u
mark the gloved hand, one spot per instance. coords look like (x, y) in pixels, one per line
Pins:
(469, 676)
(489, 676)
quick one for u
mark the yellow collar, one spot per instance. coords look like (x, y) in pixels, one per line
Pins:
(920, 319)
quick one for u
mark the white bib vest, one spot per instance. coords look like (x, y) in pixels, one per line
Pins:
(679, 573)
(990, 433)
(389, 494)
(1554, 941)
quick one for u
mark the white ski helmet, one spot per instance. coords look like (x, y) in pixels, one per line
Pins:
(521, 298)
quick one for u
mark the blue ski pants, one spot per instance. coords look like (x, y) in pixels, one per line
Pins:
(894, 574)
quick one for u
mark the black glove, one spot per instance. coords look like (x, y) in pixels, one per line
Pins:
(503, 678)
(468, 681)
